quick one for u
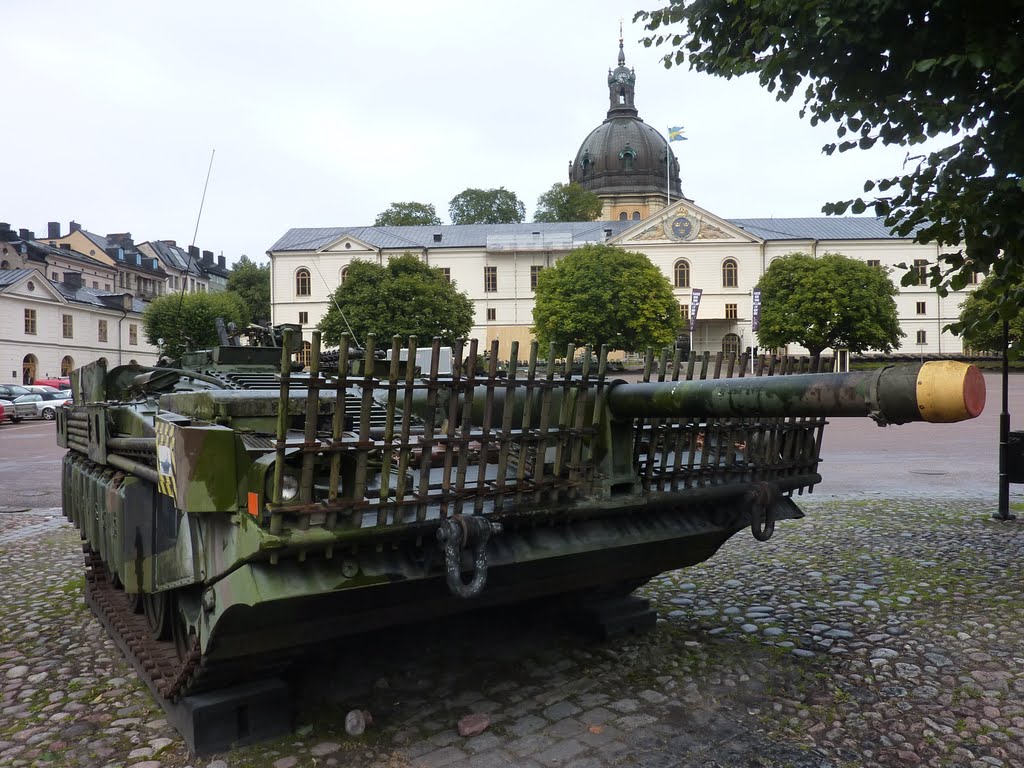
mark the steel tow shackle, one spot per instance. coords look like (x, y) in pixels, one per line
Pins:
(762, 510)
(456, 534)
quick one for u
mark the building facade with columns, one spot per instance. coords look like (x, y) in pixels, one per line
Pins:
(632, 168)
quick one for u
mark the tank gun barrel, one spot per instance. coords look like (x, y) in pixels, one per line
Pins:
(936, 391)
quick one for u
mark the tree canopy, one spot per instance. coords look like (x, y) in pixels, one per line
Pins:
(894, 72)
(599, 294)
(486, 206)
(407, 214)
(568, 202)
(187, 321)
(251, 282)
(981, 315)
(404, 297)
(828, 302)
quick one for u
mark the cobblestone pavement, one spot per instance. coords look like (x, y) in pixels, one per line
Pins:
(872, 633)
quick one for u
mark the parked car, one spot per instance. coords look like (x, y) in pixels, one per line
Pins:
(45, 403)
(3, 413)
(41, 388)
(15, 412)
(11, 391)
(59, 383)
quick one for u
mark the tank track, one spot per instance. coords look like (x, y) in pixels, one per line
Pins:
(158, 662)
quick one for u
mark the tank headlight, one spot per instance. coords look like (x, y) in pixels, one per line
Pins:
(289, 486)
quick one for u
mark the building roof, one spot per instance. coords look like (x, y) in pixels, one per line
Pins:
(452, 235)
(83, 295)
(818, 228)
(175, 257)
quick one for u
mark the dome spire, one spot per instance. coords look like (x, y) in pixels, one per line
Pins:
(622, 52)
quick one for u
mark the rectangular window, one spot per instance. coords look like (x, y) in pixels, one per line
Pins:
(447, 272)
(492, 313)
(874, 263)
(921, 268)
(304, 318)
(120, 279)
(921, 308)
(490, 279)
(30, 322)
(974, 278)
(95, 285)
(534, 276)
(68, 325)
(54, 276)
(133, 334)
(106, 286)
(730, 312)
(101, 331)
(922, 337)
(684, 312)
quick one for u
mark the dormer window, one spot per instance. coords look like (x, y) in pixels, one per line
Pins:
(626, 157)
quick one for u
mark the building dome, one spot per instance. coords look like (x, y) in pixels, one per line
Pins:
(623, 159)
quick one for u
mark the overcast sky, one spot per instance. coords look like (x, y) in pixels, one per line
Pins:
(324, 113)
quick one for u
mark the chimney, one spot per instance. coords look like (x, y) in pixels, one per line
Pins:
(193, 253)
(208, 257)
(221, 262)
(6, 233)
(73, 280)
(124, 239)
(24, 234)
(74, 226)
(172, 243)
(52, 230)
(607, 234)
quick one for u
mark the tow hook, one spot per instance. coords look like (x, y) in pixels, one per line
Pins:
(761, 498)
(456, 534)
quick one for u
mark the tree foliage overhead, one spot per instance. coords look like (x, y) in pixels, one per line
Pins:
(981, 315)
(404, 297)
(486, 206)
(894, 72)
(188, 321)
(828, 302)
(407, 214)
(251, 282)
(599, 294)
(568, 202)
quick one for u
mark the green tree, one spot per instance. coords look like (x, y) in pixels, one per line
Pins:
(251, 282)
(187, 321)
(604, 295)
(486, 206)
(831, 301)
(981, 316)
(568, 202)
(893, 72)
(407, 214)
(404, 297)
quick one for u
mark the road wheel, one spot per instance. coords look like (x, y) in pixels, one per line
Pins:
(159, 610)
(15, 419)
(49, 413)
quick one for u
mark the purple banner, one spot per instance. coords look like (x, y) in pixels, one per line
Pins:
(755, 311)
(694, 306)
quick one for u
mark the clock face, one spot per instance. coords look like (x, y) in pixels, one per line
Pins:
(622, 77)
(682, 227)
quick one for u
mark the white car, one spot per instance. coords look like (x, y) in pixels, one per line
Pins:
(44, 403)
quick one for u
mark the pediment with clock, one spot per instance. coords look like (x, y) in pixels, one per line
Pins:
(684, 222)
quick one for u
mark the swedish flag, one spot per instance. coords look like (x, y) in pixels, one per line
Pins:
(675, 133)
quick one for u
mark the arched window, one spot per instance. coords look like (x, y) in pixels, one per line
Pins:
(623, 216)
(4, 264)
(636, 215)
(682, 274)
(627, 156)
(67, 365)
(730, 274)
(305, 354)
(302, 282)
(731, 343)
(344, 275)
